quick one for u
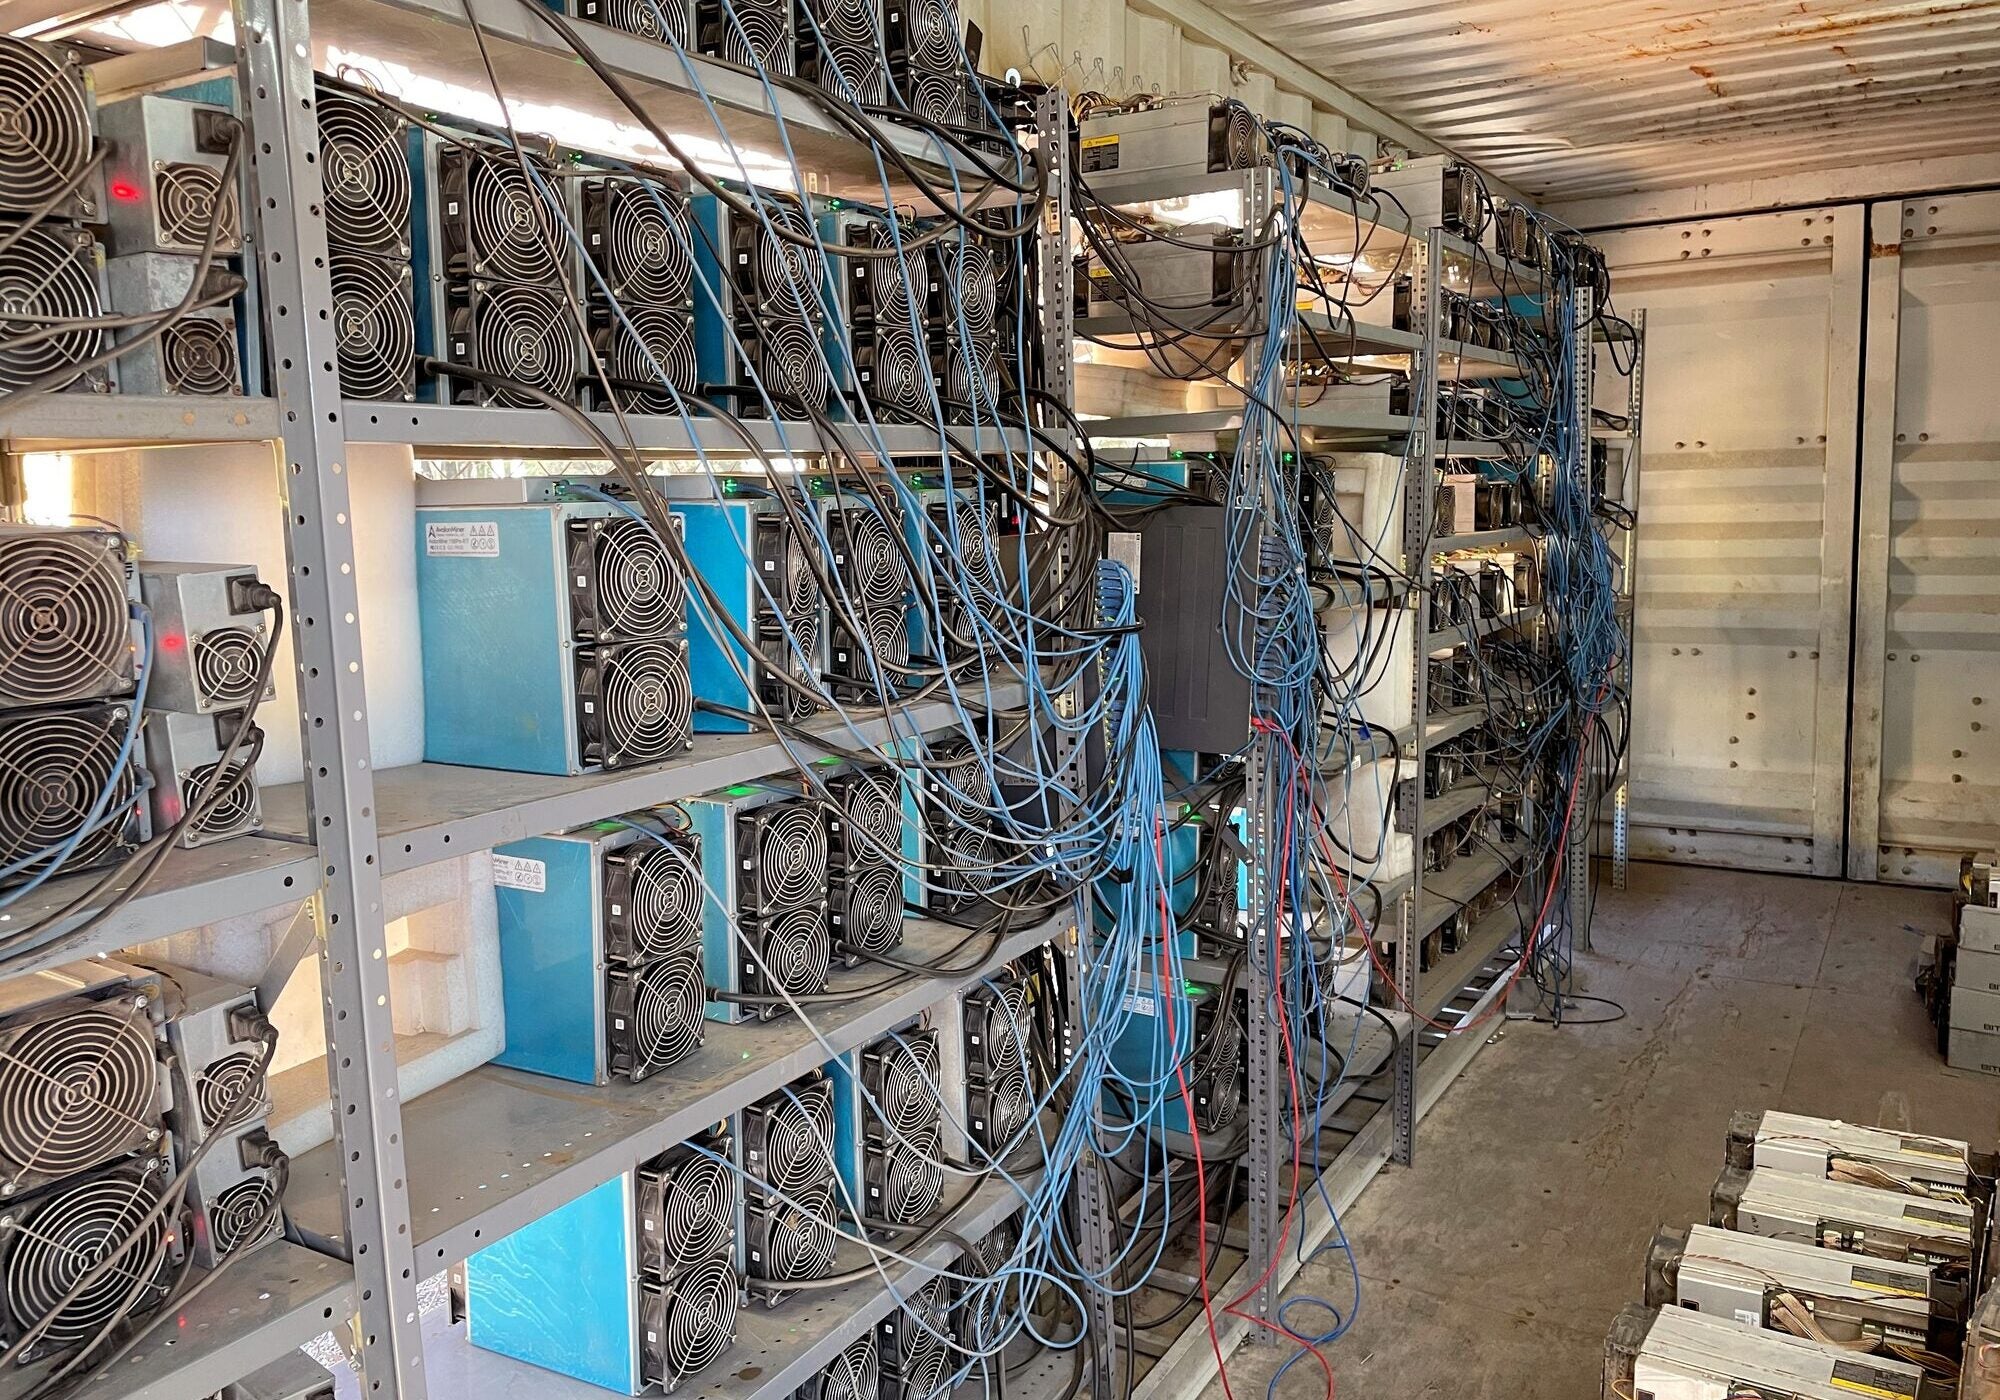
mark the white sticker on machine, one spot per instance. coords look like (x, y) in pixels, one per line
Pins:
(475, 539)
(520, 873)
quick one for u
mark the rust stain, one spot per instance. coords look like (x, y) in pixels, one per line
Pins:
(1707, 76)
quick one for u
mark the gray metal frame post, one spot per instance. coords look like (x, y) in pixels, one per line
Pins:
(1576, 850)
(1621, 797)
(1267, 1084)
(313, 484)
(1094, 1209)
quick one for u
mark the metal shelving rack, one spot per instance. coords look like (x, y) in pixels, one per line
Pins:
(406, 1190)
(1624, 448)
(1466, 985)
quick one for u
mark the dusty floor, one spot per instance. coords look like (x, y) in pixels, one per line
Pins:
(1490, 1270)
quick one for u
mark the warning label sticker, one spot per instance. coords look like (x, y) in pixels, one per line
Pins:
(520, 873)
(477, 539)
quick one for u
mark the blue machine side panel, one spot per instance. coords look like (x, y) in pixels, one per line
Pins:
(558, 1293)
(715, 357)
(1144, 1058)
(548, 963)
(848, 1134)
(489, 596)
(720, 541)
(425, 256)
(718, 937)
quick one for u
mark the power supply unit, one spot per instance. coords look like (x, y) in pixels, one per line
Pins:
(764, 925)
(1725, 1273)
(1860, 1219)
(1171, 140)
(1199, 290)
(888, 1137)
(853, 1374)
(790, 1178)
(632, 1286)
(601, 950)
(763, 571)
(198, 353)
(588, 605)
(1675, 1354)
(82, 1081)
(164, 173)
(55, 273)
(208, 638)
(221, 1045)
(184, 755)
(662, 21)
(1824, 1147)
(47, 142)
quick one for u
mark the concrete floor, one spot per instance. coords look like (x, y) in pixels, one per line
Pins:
(1491, 1269)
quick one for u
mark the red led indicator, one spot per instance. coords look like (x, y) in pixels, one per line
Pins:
(126, 191)
(172, 641)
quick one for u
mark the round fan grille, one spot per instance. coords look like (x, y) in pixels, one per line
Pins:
(646, 244)
(888, 630)
(665, 910)
(873, 564)
(648, 706)
(233, 802)
(367, 174)
(929, 1311)
(927, 1367)
(873, 918)
(697, 1210)
(1007, 1097)
(789, 275)
(803, 563)
(962, 779)
(847, 22)
(933, 34)
(890, 291)
(240, 1214)
(974, 284)
(701, 1317)
(902, 372)
(802, 1241)
(73, 1089)
(373, 326)
(938, 97)
(67, 1237)
(639, 588)
(198, 355)
(44, 124)
(228, 1086)
(1245, 143)
(656, 342)
(53, 765)
(791, 855)
(970, 860)
(644, 18)
(64, 628)
(908, 1099)
(226, 665)
(973, 377)
(759, 38)
(45, 278)
(192, 201)
(797, 952)
(913, 1187)
(512, 236)
(974, 548)
(790, 366)
(873, 812)
(668, 1000)
(855, 1374)
(522, 333)
(849, 68)
(1007, 1028)
(798, 1138)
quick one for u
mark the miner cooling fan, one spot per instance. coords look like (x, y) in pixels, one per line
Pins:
(892, 1122)
(629, 999)
(855, 1374)
(51, 1243)
(49, 278)
(374, 327)
(788, 1162)
(491, 220)
(65, 615)
(749, 33)
(839, 44)
(867, 558)
(914, 1344)
(634, 705)
(636, 231)
(45, 139)
(865, 842)
(960, 533)
(521, 333)
(623, 581)
(54, 765)
(887, 352)
(776, 884)
(632, 1287)
(662, 21)
(649, 358)
(999, 1032)
(369, 208)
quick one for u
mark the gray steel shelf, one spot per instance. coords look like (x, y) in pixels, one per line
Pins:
(1442, 725)
(192, 888)
(1328, 424)
(272, 1302)
(1446, 980)
(777, 1350)
(431, 811)
(104, 422)
(1481, 539)
(1467, 632)
(466, 431)
(1354, 593)
(496, 1149)
(1451, 889)
(1338, 339)
(1456, 802)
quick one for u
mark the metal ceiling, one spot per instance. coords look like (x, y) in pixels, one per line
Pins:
(1566, 101)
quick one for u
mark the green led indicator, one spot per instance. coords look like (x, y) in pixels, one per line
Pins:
(740, 790)
(827, 762)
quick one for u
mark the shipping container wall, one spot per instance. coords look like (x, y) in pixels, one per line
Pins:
(1925, 782)
(1743, 572)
